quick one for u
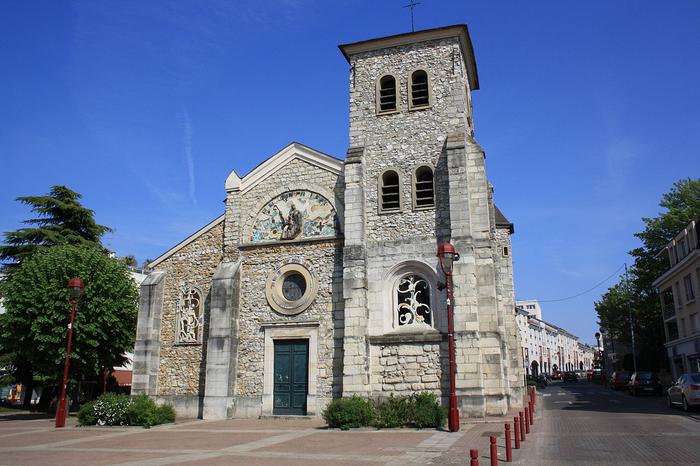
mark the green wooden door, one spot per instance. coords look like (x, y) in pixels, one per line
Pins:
(291, 377)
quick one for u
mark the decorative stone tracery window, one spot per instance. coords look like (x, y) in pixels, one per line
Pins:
(189, 315)
(413, 301)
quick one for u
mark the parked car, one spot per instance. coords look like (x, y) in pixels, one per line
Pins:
(570, 376)
(597, 375)
(556, 375)
(619, 380)
(685, 392)
(644, 382)
(589, 374)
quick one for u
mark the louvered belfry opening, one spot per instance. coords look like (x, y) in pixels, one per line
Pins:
(419, 89)
(390, 191)
(425, 192)
(387, 94)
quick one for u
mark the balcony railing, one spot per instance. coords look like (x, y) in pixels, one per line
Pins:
(669, 311)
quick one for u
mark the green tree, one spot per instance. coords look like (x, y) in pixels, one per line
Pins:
(679, 207)
(33, 330)
(61, 220)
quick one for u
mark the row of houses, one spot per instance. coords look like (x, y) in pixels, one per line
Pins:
(546, 348)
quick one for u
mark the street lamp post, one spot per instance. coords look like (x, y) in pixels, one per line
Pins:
(75, 291)
(601, 355)
(447, 255)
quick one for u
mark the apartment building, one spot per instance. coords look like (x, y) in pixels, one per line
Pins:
(678, 289)
(547, 348)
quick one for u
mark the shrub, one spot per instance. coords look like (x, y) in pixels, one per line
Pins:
(121, 410)
(345, 413)
(165, 414)
(395, 412)
(111, 409)
(427, 411)
(86, 414)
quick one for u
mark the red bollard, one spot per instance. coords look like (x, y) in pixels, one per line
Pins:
(527, 420)
(509, 451)
(521, 418)
(532, 414)
(474, 455)
(494, 451)
(516, 423)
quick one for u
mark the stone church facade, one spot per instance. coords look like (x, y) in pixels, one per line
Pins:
(321, 280)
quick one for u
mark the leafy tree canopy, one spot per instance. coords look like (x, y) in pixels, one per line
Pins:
(679, 207)
(33, 330)
(61, 220)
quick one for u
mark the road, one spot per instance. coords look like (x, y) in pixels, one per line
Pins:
(584, 423)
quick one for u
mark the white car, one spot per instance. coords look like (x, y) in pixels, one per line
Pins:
(685, 391)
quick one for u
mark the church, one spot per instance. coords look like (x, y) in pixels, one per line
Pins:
(321, 277)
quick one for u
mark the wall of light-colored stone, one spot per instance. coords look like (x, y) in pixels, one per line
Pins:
(322, 259)
(404, 369)
(408, 138)
(182, 368)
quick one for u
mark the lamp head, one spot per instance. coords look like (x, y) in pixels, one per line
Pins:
(447, 255)
(75, 288)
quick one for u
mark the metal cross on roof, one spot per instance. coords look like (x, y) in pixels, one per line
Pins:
(412, 5)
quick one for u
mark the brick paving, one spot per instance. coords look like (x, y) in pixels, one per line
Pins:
(574, 424)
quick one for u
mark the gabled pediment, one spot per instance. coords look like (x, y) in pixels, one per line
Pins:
(293, 151)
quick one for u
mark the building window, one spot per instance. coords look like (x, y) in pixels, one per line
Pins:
(672, 330)
(386, 93)
(683, 248)
(413, 301)
(689, 292)
(667, 303)
(420, 93)
(390, 191)
(423, 188)
(189, 315)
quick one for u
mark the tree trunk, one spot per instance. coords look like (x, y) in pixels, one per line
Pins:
(27, 390)
(45, 399)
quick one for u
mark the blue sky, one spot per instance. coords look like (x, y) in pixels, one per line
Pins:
(588, 112)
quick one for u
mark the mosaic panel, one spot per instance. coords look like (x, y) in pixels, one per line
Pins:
(295, 215)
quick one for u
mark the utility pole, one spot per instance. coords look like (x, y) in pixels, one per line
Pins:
(629, 310)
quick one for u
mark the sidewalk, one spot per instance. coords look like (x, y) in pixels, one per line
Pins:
(475, 435)
(33, 439)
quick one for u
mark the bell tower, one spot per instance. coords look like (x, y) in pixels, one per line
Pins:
(414, 178)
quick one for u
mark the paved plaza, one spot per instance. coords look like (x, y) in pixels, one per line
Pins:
(575, 424)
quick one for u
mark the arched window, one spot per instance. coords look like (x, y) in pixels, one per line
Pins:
(390, 191)
(420, 94)
(189, 315)
(413, 301)
(423, 187)
(386, 94)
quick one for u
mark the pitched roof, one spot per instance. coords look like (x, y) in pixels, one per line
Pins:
(502, 221)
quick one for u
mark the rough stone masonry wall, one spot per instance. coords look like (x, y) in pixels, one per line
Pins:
(182, 367)
(324, 260)
(408, 368)
(408, 138)
(511, 336)
(322, 257)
